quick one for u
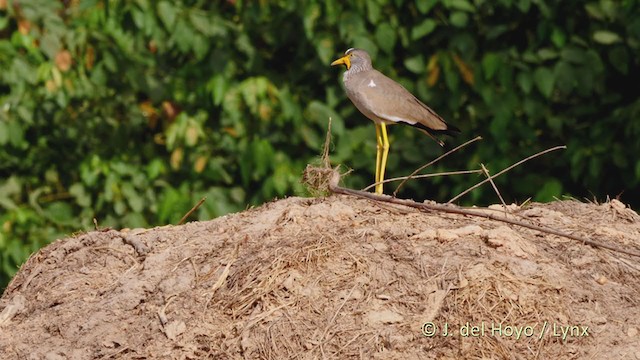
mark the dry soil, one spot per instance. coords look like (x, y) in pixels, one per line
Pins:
(336, 277)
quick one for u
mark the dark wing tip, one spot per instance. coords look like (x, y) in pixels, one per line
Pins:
(450, 130)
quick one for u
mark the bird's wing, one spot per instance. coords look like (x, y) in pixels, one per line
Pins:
(390, 101)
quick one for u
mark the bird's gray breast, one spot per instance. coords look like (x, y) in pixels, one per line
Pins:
(357, 85)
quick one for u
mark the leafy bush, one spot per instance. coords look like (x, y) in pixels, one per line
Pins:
(131, 111)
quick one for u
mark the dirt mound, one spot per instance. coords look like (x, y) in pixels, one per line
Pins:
(338, 277)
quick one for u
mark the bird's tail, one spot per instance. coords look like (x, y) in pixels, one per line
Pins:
(450, 130)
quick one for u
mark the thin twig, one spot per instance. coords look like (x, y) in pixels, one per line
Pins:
(453, 209)
(435, 161)
(194, 208)
(446, 173)
(162, 312)
(222, 278)
(486, 172)
(325, 149)
(333, 318)
(504, 171)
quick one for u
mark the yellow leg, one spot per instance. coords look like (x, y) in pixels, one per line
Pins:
(383, 160)
(378, 155)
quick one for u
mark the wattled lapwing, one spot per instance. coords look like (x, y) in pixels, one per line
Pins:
(386, 102)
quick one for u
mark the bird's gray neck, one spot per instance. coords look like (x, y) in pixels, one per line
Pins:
(355, 69)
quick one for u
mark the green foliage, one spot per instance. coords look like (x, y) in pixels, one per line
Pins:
(131, 111)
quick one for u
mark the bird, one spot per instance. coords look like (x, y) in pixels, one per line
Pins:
(386, 102)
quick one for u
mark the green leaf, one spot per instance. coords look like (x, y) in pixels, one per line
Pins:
(8, 189)
(530, 57)
(310, 137)
(135, 220)
(374, 10)
(136, 202)
(352, 26)
(550, 190)
(610, 8)
(496, 30)
(546, 54)
(4, 21)
(319, 113)
(167, 13)
(594, 10)
(593, 62)
(525, 82)
(533, 108)
(173, 204)
(544, 81)
(222, 205)
(490, 64)
(184, 35)
(119, 207)
(24, 71)
(425, 5)
(565, 77)
(201, 22)
(558, 37)
(573, 54)
(332, 12)
(325, 48)
(619, 156)
(386, 37)
(109, 61)
(416, 64)
(499, 124)
(606, 37)
(463, 5)
(425, 28)
(311, 14)
(15, 132)
(60, 213)
(585, 79)
(451, 76)
(459, 19)
(262, 154)
(555, 123)
(200, 46)
(363, 42)
(50, 45)
(82, 198)
(618, 56)
(523, 5)
(218, 87)
(155, 168)
(4, 133)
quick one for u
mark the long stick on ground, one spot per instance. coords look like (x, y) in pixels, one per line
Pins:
(490, 178)
(452, 209)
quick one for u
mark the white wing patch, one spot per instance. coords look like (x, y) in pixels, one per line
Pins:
(371, 83)
(397, 119)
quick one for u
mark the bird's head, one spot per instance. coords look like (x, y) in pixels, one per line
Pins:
(354, 58)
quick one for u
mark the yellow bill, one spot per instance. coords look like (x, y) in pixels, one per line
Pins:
(343, 61)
